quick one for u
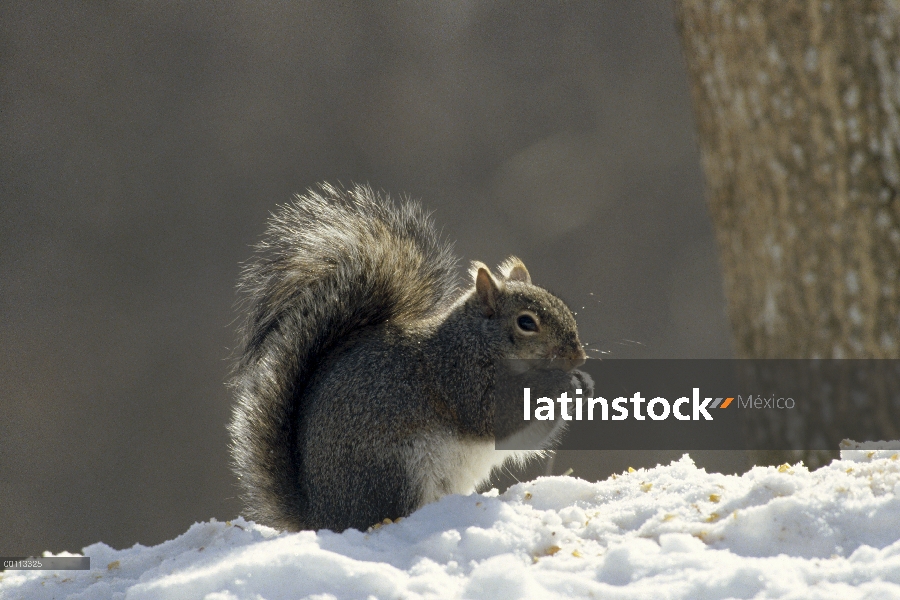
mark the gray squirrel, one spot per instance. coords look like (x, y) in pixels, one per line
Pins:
(368, 380)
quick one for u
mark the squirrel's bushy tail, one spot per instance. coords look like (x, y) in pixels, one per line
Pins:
(331, 262)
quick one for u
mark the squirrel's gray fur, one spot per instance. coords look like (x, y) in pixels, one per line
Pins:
(367, 378)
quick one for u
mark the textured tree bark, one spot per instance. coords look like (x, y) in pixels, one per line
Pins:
(798, 111)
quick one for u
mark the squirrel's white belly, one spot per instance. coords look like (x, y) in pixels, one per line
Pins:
(444, 464)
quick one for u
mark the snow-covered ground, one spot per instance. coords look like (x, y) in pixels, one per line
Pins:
(670, 532)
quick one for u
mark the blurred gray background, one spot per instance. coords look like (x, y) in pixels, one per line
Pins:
(143, 144)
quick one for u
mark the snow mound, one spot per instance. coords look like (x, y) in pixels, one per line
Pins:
(669, 532)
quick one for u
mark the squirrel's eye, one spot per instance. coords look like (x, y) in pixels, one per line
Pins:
(527, 323)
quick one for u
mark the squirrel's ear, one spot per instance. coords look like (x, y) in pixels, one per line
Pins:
(486, 290)
(514, 270)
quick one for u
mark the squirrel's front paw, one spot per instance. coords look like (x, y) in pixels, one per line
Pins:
(582, 381)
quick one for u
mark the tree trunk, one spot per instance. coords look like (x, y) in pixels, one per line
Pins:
(798, 111)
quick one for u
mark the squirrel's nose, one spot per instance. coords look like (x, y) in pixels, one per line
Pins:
(575, 357)
(580, 359)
